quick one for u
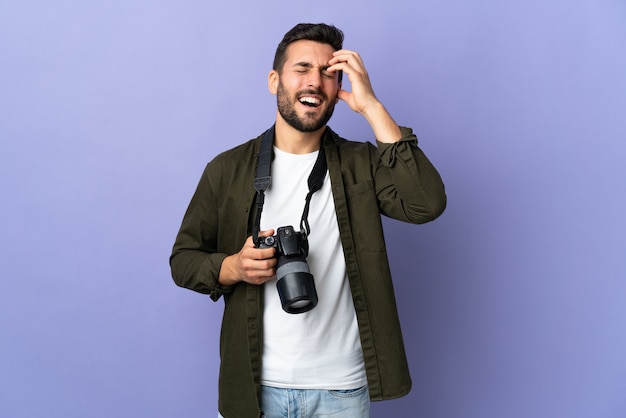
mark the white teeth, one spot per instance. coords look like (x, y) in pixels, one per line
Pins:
(310, 100)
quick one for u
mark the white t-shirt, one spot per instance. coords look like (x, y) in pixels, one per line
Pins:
(319, 349)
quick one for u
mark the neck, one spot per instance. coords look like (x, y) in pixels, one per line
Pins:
(293, 141)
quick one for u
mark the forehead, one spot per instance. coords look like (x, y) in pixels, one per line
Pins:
(312, 52)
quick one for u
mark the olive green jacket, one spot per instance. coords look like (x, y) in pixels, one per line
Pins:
(396, 180)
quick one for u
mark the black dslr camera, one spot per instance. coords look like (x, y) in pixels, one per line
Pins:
(296, 287)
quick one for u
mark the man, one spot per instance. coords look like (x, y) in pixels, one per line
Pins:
(333, 359)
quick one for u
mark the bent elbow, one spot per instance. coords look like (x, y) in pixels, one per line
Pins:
(430, 210)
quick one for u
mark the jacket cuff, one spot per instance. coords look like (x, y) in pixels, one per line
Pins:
(390, 152)
(218, 290)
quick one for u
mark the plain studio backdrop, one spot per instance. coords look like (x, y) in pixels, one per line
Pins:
(512, 303)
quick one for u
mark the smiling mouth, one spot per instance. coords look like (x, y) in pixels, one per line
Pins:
(310, 101)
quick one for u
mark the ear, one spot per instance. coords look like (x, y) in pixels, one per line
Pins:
(337, 97)
(272, 81)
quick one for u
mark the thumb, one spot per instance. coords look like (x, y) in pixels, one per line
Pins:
(266, 233)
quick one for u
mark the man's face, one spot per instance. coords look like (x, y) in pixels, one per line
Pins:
(306, 92)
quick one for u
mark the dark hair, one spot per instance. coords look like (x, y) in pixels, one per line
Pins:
(318, 32)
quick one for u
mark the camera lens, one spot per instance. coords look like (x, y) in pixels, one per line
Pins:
(296, 286)
(299, 304)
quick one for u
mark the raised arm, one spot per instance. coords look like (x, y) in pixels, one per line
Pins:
(362, 98)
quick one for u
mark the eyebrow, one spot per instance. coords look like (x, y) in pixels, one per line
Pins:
(309, 65)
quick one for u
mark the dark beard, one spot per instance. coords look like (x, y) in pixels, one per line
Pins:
(289, 114)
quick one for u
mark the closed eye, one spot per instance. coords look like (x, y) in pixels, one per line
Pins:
(304, 68)
(326, 73)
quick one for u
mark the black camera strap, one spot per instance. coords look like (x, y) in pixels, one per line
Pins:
(263, 181)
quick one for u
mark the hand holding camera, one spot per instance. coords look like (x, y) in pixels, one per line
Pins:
(295, 284)
(251, 264)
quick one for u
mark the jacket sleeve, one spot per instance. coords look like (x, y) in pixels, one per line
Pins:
(195, 261)
(408, 186)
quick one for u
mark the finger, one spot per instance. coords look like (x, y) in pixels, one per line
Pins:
(346, 53)
(260, 266)
(254, 254)
(258, 276)
(341, 65)
(355, 75)
(255, 269)
(350, 57)
(250, 241)
(260, 271)
(344, 95)
(259, 280)
(265, 252)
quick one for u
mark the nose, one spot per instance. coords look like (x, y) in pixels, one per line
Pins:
(314, 78)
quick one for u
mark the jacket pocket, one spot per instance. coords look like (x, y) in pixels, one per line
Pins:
(357, 190)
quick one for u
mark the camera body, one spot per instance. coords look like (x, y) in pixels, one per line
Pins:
(295, 283)
(287, 241)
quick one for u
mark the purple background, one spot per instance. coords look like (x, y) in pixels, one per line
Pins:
(512, 302)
